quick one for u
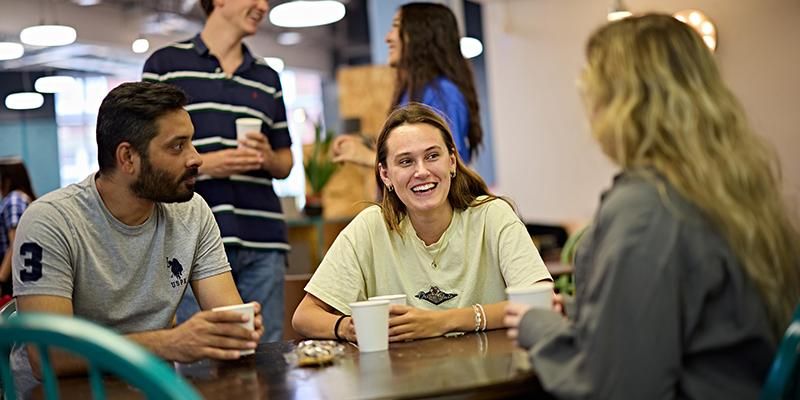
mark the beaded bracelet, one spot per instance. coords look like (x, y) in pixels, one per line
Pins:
(483, 314)
(477, 317)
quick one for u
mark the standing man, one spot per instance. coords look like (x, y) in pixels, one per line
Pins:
(225, 82)
(120, 248)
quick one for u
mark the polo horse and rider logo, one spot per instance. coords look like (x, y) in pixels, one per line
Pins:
(175, 267)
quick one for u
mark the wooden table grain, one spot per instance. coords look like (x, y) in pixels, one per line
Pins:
(475, 365)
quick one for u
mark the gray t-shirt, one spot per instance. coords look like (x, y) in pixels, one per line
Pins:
(664, 309)
(127, 278)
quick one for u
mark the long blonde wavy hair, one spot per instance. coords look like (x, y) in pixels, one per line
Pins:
(657, 100)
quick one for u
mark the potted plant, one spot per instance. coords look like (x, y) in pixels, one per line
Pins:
(319, 169)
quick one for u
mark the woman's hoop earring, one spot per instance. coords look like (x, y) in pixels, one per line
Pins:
(391, 188)
(453, 174)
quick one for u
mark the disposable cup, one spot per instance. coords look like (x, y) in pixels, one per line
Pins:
(539, 295)
(371, 319)
(245, 125)
(400, 299)
(244, 309)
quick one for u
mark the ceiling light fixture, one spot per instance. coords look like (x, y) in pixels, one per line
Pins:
(54, 84)
(24, 101)
(303, 13)
(48, 35)
(275, 63)
(140, 45)
(11, 50)
(618, 11)
(471, 47)
(701, 24)
(289, 38)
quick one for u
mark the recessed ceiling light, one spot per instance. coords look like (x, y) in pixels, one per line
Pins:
(54, 84)
(471, 47)
(48, 35)
(140, 45)
(24, 101)
(302, 13)
(11, 50)
(289, 38)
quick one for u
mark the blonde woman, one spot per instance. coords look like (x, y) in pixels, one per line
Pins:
(689, 273)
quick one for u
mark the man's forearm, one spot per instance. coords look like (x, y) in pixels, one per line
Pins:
(158, 342)
(280, 164)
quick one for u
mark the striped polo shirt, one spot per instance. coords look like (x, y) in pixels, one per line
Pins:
(245, 206)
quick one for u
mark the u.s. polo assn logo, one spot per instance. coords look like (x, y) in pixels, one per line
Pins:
(176, 270)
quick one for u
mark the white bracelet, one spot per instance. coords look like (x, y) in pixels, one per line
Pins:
(477, 317)
(485, 320)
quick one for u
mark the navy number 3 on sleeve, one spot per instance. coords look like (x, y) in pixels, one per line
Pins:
(32, 260)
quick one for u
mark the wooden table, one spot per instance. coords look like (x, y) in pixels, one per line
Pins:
(475, 365)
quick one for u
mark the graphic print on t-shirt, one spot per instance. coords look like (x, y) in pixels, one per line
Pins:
(176, 269)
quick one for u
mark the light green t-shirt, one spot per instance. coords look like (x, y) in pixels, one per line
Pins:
(485, 249)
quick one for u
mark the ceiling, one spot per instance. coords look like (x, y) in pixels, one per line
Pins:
(106, 30)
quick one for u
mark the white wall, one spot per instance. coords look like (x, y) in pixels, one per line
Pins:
(547, 161)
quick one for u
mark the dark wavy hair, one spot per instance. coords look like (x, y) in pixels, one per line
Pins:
(465, 187)
(431, 48)
(14, 176)
(207, 6)
(129, 114)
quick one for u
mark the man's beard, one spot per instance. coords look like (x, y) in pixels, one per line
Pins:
(160, 186)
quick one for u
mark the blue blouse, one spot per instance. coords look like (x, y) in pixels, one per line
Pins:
(444, 96)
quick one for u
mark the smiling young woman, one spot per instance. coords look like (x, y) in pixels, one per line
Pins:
(439, 237)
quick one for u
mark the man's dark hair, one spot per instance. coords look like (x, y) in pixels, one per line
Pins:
(129, 114)
(207, 6)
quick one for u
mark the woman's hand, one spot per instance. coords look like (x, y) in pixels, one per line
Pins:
(407, 322)
(350, 148)
(347, 330)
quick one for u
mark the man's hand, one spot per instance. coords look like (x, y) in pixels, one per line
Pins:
(258, 322)
(407, 322)
(216, 335)
(224, 163)
(277, 163)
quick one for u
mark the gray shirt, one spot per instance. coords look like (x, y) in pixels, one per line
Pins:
(664, 309)
(127, 278)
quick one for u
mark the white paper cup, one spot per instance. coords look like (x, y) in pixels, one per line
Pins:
(244, 309)
(372, 324)
(400, 299)
(245, 125)
(539, 295)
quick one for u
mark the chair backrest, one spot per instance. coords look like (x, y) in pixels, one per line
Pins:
(103, 349)
(8, 310)
(783, 380)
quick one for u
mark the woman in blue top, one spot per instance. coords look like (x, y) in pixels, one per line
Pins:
(17, 194)
(424, 49)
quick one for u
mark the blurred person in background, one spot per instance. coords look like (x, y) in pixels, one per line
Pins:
(16, 193)
(690, 272)
(424, 49)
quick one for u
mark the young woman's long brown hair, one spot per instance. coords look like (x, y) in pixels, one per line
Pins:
(431, 49)
(14, 176)
(465, 187)
(657, 100)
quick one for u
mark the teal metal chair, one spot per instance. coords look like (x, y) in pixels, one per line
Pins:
(783, 380)
(8, 310)
(104, 350)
